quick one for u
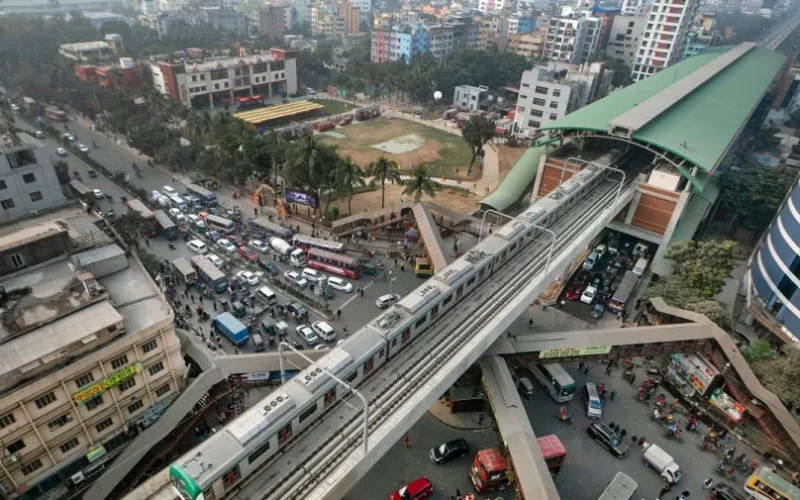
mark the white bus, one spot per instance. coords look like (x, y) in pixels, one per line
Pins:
(622, 487)
(220, 223)
(555, 379)
(178, 202)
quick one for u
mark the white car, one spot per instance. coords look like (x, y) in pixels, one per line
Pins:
(61, 152)
(340, 284)
(68, 137)
(324, 331)
(308, 334)
(295, 279)
(196, 221)
(249, 277)
(39, 134)
(177, 214)
(258, 245)
(227, 245)
(169, 191)
(216, 260)
(589, 294)
(83, 148)
(98, 194)
(385, 301)
(156, 195)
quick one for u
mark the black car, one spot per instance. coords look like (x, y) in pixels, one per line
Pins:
(598, 310)
(297, 311)
(607, 438)
(268, 266)
(722, 491)
(448, 451)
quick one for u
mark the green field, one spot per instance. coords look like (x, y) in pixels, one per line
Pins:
(333, 107)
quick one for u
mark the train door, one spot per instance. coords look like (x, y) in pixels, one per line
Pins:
(459, 292)
(435, 312)
(285, 434)
(481, 273)
(330, 398)
(232, 477)
(368, 367)
(406, 336)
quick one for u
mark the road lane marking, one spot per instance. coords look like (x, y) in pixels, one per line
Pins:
(357, 295)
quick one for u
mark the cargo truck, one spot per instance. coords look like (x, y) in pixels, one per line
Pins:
(235, 330)
(663, 463)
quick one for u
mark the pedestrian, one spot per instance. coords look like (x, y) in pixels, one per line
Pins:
(201, 299)
(586, 370)
(580, 366)
(707, 483)
(338, 313)
(395, 262)
(406, 441)
(613, 395)
(345, 329)
(616, 428)
(458, 493)
(530, 324)
(480, 418)
(402, 267)
(362, 292)
(611, 425)
(192, 297)
(622, 433)
(236, 350)
(665, 490)
(214, 302)
(642, 441)
(634, 439)
(608, 369)
(562, 304)
(147, 242)
(685, 494)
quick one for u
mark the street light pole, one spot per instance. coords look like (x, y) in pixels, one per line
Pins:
(390, 281)
(334, 377)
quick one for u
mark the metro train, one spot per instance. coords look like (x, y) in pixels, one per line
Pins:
(219, 465)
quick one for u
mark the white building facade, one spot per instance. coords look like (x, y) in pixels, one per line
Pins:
(665, 35)
(572, 38)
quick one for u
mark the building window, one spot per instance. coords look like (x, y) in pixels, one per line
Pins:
(60, 421)
(534, 124)
(219, 74)
(539, 102)
(45, 400)
(31, 467)
(17, 260)
(124, 386)
(523, 96)
(72, 443)
(149, 346)
(84, 379)
(94, 402)
(7, 420)
(3, 184)
(105, 424)
(537, 113)
(556, 93)
(554, 117)
(554, 104)
(194, 78)
(15, 446)
(162, 390)
(132, 408)
(119, 362)
(37, 196)
(156, 368)
(22, 158)
(8, 204)
(28, 178)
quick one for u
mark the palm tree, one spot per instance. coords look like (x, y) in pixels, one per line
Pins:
(421, 183)
(347, 175)
(309, 157)
(383, 170)
(198, 125)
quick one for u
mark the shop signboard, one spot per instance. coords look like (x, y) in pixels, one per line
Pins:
(96, 453)
(571, 352)
(113, 380)
(695, 370)
(727, 405)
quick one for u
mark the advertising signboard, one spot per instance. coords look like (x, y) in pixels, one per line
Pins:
(695, 370)
(301, 198)
(113, 380)
(570, 352)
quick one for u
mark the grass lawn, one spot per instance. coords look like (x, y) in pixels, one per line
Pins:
(444, 154)
(333, 107)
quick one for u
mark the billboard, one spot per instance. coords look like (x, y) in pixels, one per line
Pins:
(695, 370)
(301, 198)
(570, 352)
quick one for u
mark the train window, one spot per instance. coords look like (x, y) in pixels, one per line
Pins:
(351, 377)
(394, 342)
(308, 412)
(460, 291)
(480, 274)
(285, 434)
(259, 451)
(513, 247)
(504, 253)
(447, 300)
(330, 397)
(382, 353)
(471, 281)
(421, 321)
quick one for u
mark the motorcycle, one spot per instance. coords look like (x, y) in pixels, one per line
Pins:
(564, 416)
(726, 472)
(707, 446)
(171, 245)
(673, 433)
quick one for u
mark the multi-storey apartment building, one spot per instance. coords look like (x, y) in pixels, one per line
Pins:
(625, 37)
(218, 82)
(399, 43)
(89, 353)
(572, 37)
(665, 36)
(490, 6)
(634, 7)
(270, 20)
(28, 181)
(528, 45)
(351, 17)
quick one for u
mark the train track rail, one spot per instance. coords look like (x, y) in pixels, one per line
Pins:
(405, 373)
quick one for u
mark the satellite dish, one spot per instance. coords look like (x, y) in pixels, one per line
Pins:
(437, 95)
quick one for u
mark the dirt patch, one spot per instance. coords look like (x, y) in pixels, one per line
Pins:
(401, 145)
(508, 158)
(456, 201)
(427, 153)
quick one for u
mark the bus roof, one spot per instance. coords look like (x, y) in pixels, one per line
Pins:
(551, 446)
(206, 266)
(163, 219)
(337, 257)
(622, 487)
(626, 286)
(492, 460)
(558, 372)
(219, 219)
(198, 189)
(79, 187)
(182, 265)
(138, 206)
(777, 482)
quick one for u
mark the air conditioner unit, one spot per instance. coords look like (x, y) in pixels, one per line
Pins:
(34, 213)
(11, 459)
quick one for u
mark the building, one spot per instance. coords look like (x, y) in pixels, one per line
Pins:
(28, 181)
(606, 15)
(98, 19)
(665, 36)
(218, 83)
(491, 6)
(572, 37)
(86, 51)
(173, 5)
(270, 20)
(469, 98)
(625, 38)
(124, 75)
(89, 354)
(50, 8)
(222, 18)
(301, 7)
(364, 8)
(161, 22)
(351, 17)
(398, 43)
(528, 45)
(703, 34)
(634, 7)
(773, 297)
(445, 37)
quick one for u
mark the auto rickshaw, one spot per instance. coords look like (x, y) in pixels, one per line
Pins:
(369, 269)
(238, 309)
(282, 328)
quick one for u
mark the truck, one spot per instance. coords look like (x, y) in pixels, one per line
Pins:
(281, 246)
(227, 324)
(623, 292)
(662, 462)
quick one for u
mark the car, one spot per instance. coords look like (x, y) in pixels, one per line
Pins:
(310, 91)
(248, 253)
(196, 221)
(39, 134)
(98, 194)
(385, 301)
(169, 191)
(314, 276)
(61, 152)
(226, 245)
(607, 438)
(415, 490)
(249, 277)
(197, 246)
(307, 333)
(589, 294)
(599, 310)
(447, 451)
(82, 148)
(297, 311)
(268, 266)
(258, 245)
(177, 214)
(295, 279)
(324, 331)
(573, 292)
(91, 173)
(68, 137)
(235, 240)
(216, 260)
(340, 284)
(155, 195)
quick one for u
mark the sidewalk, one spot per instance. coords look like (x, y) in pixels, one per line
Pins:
(465, 421)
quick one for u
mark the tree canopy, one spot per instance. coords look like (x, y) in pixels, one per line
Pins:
(780, 376)
(703, 265)
(476, 132)
(752, 192)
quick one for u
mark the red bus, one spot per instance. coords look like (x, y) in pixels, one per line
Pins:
(55, 114)
(334, 263)
(307, 243)
(138, 206)
(553, 451)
